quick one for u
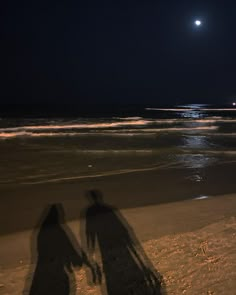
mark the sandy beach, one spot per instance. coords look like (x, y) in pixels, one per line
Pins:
(108, 206)
(190, 243)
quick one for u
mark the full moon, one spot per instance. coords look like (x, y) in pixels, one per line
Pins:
(198, 23)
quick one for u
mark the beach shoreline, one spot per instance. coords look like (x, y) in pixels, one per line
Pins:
(163, 231)
(167, 184)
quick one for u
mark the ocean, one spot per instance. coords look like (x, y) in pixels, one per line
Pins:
(194, 138)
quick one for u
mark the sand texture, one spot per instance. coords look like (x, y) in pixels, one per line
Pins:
(186, 260)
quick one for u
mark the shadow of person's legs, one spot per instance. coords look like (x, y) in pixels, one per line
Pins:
(55, 256)
(126, 268)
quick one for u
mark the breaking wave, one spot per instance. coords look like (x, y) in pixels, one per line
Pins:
(191, 109)
(125, 132)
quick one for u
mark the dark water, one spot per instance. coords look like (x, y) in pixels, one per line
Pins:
(41, 150)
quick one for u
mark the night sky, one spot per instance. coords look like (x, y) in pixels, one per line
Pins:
(118, 51)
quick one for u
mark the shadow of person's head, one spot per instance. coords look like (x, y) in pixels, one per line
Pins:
(54, 215)
(94, 197)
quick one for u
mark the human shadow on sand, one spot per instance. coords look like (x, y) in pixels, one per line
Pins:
(126, 268)
(57, 253)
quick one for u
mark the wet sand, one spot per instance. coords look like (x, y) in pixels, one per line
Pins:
(190, 242)
(22, 205)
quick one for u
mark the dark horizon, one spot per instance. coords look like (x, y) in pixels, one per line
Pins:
(102, 110)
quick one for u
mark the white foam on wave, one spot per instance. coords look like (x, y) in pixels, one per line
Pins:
(155, 130)
(173, 129)
(128, 118)
(212, 119)
(218, 110)
(127, 151)
(169, 110)
(34, 130)
(180, 120)
(12, 135)
(126, 132)
(78, 126)
(190, 109)
(5, 135)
